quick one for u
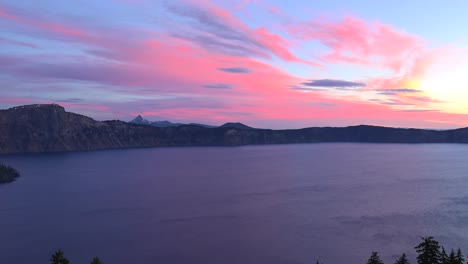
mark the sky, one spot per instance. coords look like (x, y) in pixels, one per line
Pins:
(266, 63)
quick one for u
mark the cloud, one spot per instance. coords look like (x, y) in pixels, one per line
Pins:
(58, 29)
(333, 83)
(322, 104)
(70, 100)
(17, 43)
(423, 99)
(399, 90)
(218, 86)
(419, 110)
(395, 102)
(215, 29)
(300, 88)
(124, 70)
(235, 70)
(354, 41)
(244, 3)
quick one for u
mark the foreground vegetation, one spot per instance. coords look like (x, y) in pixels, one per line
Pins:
(7, 173)
(429, 252)
(59, 258)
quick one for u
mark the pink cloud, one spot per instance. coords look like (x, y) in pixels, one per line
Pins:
(279, 46)
(57, 28)
(275, 10)
(261, 94)
(354, 41)
(245, 3)
(221, 30)
(169, 76)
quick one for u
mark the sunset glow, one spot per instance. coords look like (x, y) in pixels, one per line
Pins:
(275, 64)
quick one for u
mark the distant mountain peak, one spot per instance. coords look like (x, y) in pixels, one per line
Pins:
(139, 120)
(142, 121)
(236, 125)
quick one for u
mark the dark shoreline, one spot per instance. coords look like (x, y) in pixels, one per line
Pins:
(49, 128)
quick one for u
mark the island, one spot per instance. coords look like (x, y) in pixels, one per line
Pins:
(7, 174)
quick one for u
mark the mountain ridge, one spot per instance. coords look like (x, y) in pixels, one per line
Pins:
(236, 125)
(49, 128)
(142, 121)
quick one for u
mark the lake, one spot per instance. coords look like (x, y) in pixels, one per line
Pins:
(235, 205)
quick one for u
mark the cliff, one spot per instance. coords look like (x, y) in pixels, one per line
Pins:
(49, 128)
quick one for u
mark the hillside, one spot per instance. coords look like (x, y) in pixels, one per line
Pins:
(49, 128)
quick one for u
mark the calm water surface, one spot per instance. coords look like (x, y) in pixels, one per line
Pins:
(240, 205)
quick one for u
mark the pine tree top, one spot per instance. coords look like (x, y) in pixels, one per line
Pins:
(402, 260)
(429, 251)
(374, 258)
(58, 258)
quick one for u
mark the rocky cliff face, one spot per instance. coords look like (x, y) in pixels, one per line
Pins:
(44, 128)
(49, 128)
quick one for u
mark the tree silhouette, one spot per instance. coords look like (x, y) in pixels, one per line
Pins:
(428, 251)
(402, 260)
(58, 258)
(444, 258)
(459, 258)
(374, 258)
(452, 259)
(96, 260)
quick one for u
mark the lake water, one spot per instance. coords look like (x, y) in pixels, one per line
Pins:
(235, 205)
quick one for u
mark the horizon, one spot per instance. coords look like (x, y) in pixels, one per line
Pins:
(264, 63)
(228, 122)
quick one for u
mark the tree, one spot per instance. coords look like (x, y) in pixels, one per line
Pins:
(428, 251)
(402, 260)
(452, 259)
(374, 258)
(96, 260)
(58, 258)
(444, 258)
(459, 258)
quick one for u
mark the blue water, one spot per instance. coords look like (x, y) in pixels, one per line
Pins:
(240, 205)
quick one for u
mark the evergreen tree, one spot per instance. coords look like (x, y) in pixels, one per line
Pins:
(402, 260)
(58, 258)
(374, 258)
(444, 258)
(459, 258)
(452, 259)
(96, 260)
(428, 251)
